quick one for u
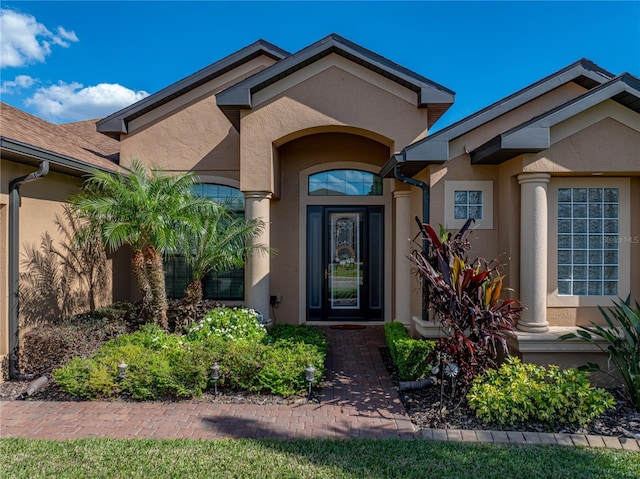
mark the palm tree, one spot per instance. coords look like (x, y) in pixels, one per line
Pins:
(147, 210)
(223, 242)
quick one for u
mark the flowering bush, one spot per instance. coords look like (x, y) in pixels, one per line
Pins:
(229, 324)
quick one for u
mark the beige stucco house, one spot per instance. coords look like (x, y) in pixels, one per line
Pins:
(330, 146)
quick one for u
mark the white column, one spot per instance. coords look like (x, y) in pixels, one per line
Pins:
(258, 265)
(403, 249)
(533, 251)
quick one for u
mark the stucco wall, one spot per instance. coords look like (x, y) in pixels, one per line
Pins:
(342, 94)
(286, 237)
(190, 133)
(41, 201)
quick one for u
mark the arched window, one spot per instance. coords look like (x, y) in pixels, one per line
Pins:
(345, 183)
(227, 286)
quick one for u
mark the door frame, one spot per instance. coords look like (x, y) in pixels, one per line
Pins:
(370, 237)
(306, 200)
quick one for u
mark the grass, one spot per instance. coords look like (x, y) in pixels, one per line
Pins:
(372, 459)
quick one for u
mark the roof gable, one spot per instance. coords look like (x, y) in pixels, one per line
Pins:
(535, 135)
(117, 123)
(434, 149)
(429, 94)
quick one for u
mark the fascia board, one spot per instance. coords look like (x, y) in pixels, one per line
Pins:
(23, 149)
(432, 151)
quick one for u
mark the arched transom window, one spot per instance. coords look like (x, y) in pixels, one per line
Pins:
(345, 183)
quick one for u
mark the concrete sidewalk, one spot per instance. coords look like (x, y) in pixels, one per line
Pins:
(357, 401)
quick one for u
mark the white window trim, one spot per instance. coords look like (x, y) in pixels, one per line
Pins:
(450, 188)
(624, 232)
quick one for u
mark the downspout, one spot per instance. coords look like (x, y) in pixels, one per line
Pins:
(397, 172)
(14, 238)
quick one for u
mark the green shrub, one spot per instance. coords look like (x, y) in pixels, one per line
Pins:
(518, 392)
(239, 365)
(299, 334)
(394, 331)
(412, 357)
(282, 367)
(160, 364)
(73, 377)
(229, 324)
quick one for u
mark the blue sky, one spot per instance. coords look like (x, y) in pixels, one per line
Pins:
(69, 61)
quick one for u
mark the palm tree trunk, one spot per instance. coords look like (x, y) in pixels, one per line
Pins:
(193, 292)
(142, 280)
(155, 274)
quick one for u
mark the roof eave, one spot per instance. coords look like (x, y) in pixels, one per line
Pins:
(535, 135)
(583, 72)
(21, 152)
(116, 124)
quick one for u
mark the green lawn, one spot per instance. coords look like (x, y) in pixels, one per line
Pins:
(371, 459)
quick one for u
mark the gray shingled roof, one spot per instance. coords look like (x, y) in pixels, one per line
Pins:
(429, 94)
(434, 149)
(534, 135)
(116, 124)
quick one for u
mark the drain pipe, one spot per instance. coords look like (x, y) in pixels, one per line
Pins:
(397, 172)
(14, 251)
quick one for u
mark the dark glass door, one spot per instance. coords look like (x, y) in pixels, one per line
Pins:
(345, 263)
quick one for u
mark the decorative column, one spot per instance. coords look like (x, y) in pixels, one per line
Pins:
(403, 249)
(533, 251)
(258, 265)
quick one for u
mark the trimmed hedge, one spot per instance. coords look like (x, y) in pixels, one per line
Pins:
(412, 357)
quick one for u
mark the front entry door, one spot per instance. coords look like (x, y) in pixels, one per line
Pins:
(345, 277)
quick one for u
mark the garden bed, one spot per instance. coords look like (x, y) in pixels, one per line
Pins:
(425, 409)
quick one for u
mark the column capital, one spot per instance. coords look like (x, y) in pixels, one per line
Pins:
(402, 194)
(534, 178)
(261, 195)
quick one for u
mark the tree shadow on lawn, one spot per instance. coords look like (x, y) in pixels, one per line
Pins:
(363, 456)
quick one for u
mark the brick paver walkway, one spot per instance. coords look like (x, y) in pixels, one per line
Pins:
(358, 401)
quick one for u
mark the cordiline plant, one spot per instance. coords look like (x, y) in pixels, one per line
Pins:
(466, 297)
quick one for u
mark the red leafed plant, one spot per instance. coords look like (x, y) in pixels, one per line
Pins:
(465, 295)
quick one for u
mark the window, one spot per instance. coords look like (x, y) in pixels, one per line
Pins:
(588, 238)
(468, 204)
(222, 286)
(345, 183)
(465, 200)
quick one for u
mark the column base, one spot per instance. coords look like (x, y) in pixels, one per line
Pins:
(533, 327)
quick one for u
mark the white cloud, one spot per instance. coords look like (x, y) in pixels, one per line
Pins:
(74, 102)
(20, 82)
(24, 40)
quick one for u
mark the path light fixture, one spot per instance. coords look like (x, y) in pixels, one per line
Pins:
(215, 375)
(310, 375)
(122, 370)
